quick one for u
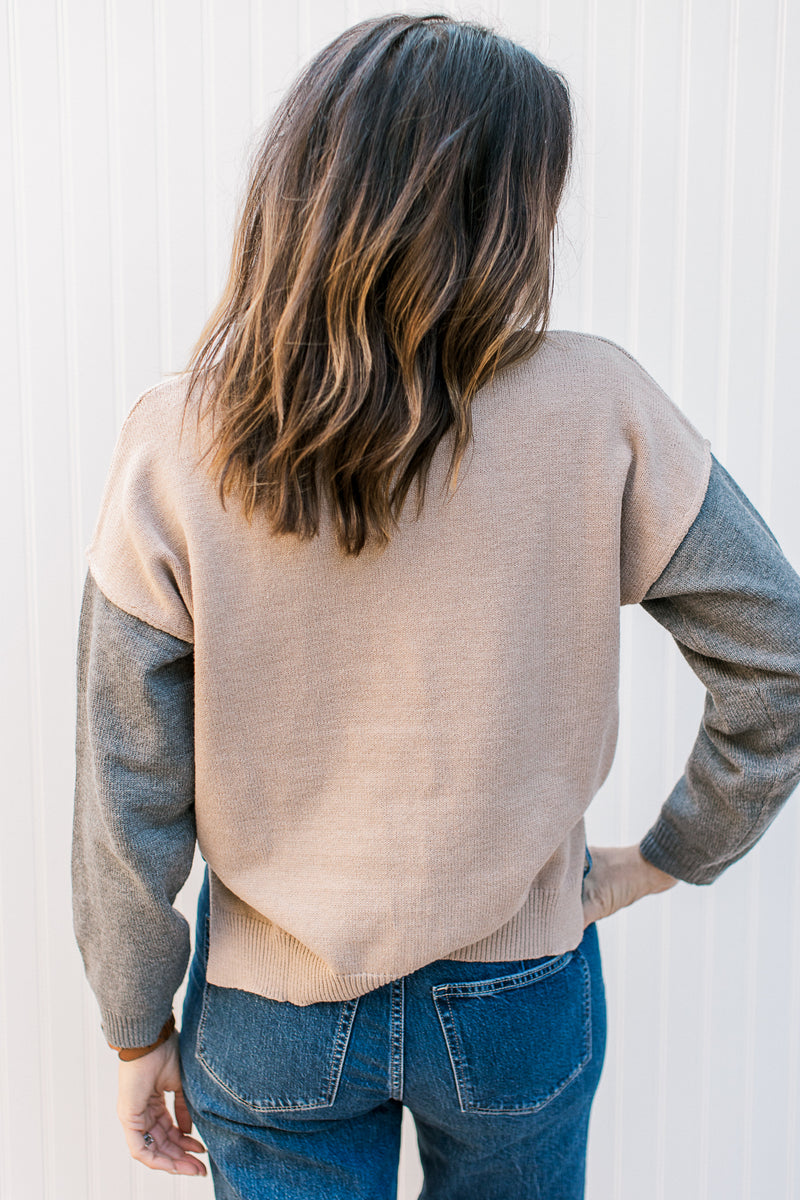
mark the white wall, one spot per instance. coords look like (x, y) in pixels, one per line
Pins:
(125, 125)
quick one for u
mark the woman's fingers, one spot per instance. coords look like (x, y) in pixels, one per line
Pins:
(166, 1156)
(187, 1143)
(182, 1117)
(171, 1142)
(173, 1135)
(162, 1154)
(183, 1141)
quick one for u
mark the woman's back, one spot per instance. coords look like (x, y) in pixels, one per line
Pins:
(377, 736)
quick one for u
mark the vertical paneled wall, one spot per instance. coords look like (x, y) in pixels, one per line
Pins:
(124, 132)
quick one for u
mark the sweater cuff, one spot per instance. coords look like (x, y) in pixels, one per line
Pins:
(130, 1032)
(128, 1054)
(667, 850)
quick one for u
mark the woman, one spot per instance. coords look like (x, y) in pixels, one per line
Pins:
(351, 623)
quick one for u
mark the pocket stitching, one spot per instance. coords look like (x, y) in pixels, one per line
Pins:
(455, 1062)
(341, 1041)
(481, 987)
(458, 1062)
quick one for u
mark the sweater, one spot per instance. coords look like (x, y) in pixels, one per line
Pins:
(393, 754)
(729, 598)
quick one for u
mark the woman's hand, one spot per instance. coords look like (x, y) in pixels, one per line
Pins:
(142, 1109)
(619, 875)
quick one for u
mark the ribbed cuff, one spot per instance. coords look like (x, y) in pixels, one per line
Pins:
(132, 1031)
(130, 1053)
(665, 849)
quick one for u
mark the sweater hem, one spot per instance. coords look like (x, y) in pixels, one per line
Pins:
(254, 956)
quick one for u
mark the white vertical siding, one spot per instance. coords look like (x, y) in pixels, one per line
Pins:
(124, 134)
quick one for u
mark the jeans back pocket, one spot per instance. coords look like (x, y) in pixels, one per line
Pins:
(515, 1042)
(271, 1055)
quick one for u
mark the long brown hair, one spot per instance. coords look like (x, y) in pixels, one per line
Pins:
(393, 251)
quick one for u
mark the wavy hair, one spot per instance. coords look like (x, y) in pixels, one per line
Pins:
(393, 251)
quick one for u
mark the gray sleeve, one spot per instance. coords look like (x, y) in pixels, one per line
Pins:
(731, 601)
(133, 830)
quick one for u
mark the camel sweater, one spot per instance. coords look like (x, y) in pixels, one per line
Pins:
(393, 754)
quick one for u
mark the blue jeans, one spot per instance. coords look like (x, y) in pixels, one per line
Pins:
(498, 1061)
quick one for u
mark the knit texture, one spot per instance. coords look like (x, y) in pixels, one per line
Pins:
(394, 753)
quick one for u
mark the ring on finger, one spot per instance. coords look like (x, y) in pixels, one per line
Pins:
(148, 1140)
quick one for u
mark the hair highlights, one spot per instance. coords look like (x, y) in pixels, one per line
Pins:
(393, 251)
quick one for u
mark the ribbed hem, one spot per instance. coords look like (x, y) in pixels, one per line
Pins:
(129, 1032)
(258, 957)
(254, 955)
(548, 923)
(665, 849)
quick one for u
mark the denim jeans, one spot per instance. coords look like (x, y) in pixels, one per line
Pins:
(499, 1063)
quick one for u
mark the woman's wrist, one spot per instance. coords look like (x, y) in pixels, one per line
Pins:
(658, 880)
